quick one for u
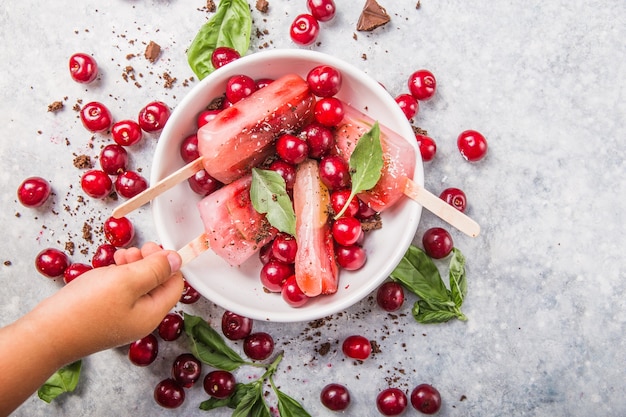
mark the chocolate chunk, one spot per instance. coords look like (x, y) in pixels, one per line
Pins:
(55, 106)
(372, 16)
(153, 50)
(262, 6)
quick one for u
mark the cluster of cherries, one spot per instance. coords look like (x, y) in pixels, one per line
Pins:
(98, 183)
(306, 27)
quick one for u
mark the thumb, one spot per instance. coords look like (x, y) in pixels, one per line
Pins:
(153, 270)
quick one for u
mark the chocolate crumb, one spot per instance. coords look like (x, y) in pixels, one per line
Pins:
(210, 6)
(372, 16)
(373, 223)
(463, 398)
(324, 349)
(375, 347)
(87, 234)
(262, 6)
(83, 161)
(153, 50)
(169, 80)
(55, 106)
(69, 247)
(418, 5)
(7, 263)
(216, 103)
(364, 57)
(419, 131)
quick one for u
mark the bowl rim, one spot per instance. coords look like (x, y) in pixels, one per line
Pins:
(161, 151)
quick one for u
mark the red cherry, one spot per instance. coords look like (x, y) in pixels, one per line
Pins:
(190, 295)
(390, 296)
(334, 172)
(33, 192)
(304, 29)
(324, 81)
(408, 104)
(292, 294)
(205, 117)
(472, 145)
(113, 159)
(144, 351)
(258, 346)
(391, 402)
(83, 68)
(95, 117)
(235, 326)
(129, 183)
(319, 138)
(286, 170)
(171, 327)
(219, 384)
(223, 55)
(427, 146)
(239, 87)
(189, 148)
(119, 232)
(153, 116)
(169, 394)
(51, 262)
(292, 149)
(126, 132)
(96, 183)
(202, 183)
(338, 200)
(437, 242)
(322, 10)
(422, 84)
(351, 257)
(455, 197)
(103, 256)
(74, 271)
(329, 111)
(426, 399)
(356, 347)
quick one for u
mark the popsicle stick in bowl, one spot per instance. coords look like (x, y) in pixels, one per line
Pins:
(441, 209)
(157, 189)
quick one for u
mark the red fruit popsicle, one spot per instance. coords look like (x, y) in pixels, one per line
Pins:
(240, 137)
(233, 228)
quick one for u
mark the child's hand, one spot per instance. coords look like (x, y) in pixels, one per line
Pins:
(115, 305)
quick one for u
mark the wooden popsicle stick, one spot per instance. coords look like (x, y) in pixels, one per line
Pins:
(194, 248)
(441, 209)
(157, 189)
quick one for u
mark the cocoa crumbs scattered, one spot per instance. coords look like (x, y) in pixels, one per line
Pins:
(7, 263)
(418, 5)
(87, 233)
(69, 247)
(375, 347)
(210, 6)
(55, 106)
(373, 223)
(419, 131)
(153, 50)
(324, 349)
(262, 6)
(83, 161)
(169, 80)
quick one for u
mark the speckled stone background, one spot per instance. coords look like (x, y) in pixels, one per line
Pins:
(544, 81)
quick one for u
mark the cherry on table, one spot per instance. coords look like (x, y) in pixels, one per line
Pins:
(75, 270)
(437, 242)
(322, 10)
(130, 183)
(422, 84)
(472, 145)
(126, 132)
(169, 394)
(258, 346)
(144, 351)
(113, 159)
(223, 55)
(95, 116)
(455, 197)
(33, 192)
(96, 183)
(103, 256)
(304, 29)
(391, 402)
(153, 116)
(335, 397)
(426, 399)
(83, 68)
(408, 104)
(219, 384)
(390, 296)
(356, 347)
(118, 232)
(235, 326)
(171, 327)
(186, 370)
(52, 262)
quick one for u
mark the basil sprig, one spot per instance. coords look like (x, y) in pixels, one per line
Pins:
(437, 304)
(366, 164)
(248, 400)
(268, 193)
(63, 380)
(230, 26)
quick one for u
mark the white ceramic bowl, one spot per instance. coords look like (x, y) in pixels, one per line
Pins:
(239, 289)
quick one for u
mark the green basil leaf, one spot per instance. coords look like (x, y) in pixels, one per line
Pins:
(288, 407)
(419, 274)
(230, 26)
(366, 164)
(241, 390)
(268, 193)
(458, 282)
(427, 312)
(251, 403)
(62, 381)
(208, 346)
